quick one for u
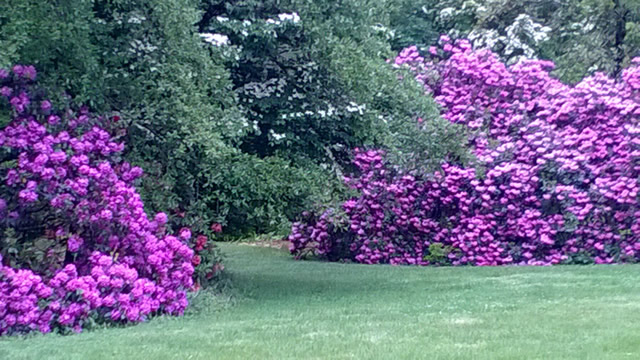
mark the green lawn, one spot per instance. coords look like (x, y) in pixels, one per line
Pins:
(289, 309)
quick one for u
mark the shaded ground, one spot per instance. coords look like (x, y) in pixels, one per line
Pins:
(311, 310)
(276, 244)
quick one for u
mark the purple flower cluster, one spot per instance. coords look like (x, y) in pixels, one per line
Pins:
(69, 186)
(555, 180)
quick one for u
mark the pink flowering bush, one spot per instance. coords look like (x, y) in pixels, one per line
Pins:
(555, 178)
(76, 245)
(206, 260)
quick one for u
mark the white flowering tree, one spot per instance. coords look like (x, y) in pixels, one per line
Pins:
(580, 36)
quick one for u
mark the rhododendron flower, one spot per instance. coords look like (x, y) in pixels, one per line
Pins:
(185, 233)
(201, 241)
(74, 243)
(196, 260)
(121, 268)
(45, 105)
(216, 228)
(28, 196)
(161, 218)
(26, 72)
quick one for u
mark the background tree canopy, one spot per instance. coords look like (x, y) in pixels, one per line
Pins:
(247, 112)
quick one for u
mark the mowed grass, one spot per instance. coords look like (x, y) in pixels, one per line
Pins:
(288, 309)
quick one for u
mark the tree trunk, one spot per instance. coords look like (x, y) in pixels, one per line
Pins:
(620, 14)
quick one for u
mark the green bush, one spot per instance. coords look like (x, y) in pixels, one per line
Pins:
(322, 84)
(246, 134)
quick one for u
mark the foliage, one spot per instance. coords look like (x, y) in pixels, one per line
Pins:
(143, 63)
(293, 102)
(420, 23)
(56, 38)
(351, 43)
(217, 99)
(316, 91)
(212, 95)
(207, 259)
(555, 180)
(438, 254)
(77, 247)
(178, 110)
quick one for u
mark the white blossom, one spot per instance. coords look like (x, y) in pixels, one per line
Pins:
(447, 12)
(215, 39)
(353, 107)
(523, 35)
(293, 17)
(277, 136)
(289, 17)
(136, 19)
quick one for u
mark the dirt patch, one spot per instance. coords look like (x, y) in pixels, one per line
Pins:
(276, 244)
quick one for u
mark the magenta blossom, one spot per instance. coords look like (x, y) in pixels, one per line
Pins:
(555, 178)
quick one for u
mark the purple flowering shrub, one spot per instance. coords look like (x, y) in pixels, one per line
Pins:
(325, 234)
(555, 178)
(76, 246)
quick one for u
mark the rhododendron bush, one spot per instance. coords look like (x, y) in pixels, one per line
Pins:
(76, 245)
(555, 178)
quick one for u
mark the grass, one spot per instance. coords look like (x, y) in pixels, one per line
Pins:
(289, 309)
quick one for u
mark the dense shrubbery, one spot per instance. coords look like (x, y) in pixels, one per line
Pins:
(282, 88)
(312, 92)
(555, 181)
(266, 98)
(244, 113)
(144, 63)
(71, 220)
(76, 246)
